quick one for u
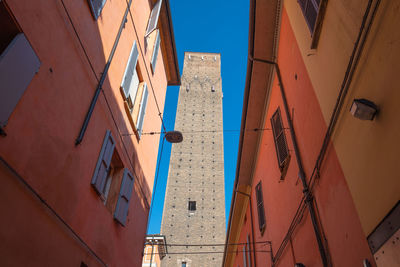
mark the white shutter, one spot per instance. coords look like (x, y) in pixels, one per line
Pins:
(155, 51)
(142, 109)
(152, 24)
(133, 88)
(130, 70)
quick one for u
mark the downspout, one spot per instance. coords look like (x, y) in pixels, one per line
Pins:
(306, 191)
(356, 53)
(102, 78)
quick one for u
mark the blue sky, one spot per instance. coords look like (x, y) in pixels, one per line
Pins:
(218, 27)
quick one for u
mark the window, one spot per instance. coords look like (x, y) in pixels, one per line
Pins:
(18, 64)
(134, 91)
(192, 205)
(104, 166)
(121, 210)
(107, 178)
(212, 89)
(310, 12)
(260, 208)
(156, 48)
(153, 20)
(281, 147)
(96, 6)
(183, 263)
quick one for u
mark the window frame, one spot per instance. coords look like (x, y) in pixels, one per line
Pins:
(281, 145)
(192, 206)
(260, 208)
(316, 30)
(156, 50)
(96, 13)
(153, 18)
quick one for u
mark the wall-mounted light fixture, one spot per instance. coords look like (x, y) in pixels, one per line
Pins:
(363, 109)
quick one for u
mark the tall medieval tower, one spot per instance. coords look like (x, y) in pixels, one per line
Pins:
(194, 208)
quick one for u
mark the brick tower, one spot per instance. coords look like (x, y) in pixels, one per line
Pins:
(194, 208)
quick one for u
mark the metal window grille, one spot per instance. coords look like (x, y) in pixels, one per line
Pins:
(260, 207)
(281, 146)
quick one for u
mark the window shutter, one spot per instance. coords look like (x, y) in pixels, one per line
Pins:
(155, 51)
(260, 207)
(121, 211)
(130, 70)
(18, 64)
(310, 11)
(282, 150)
(155, 12)
(96, 6)
(103, 163)
(142, 109)
(133, 88)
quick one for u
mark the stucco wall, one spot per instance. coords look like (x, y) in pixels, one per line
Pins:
(366, 150)
(42, 129)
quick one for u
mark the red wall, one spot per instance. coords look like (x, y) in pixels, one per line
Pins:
(346, 241)
(41, 133)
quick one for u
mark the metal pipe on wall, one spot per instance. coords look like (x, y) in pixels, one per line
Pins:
(307, 193)
(102, 78)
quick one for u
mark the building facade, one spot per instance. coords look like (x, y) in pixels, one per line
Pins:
(80, 82)
(317, 184)
(194, 210)
(154, 251)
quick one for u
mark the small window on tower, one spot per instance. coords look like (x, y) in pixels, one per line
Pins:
(184, 264)
(212, 88)
(192, 205)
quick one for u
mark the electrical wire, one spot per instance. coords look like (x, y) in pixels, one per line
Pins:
(155, 183)
(106, 100)
(209, 245)
(148, 73)
(357, 50)
(79, 39)
(207, 252)
(205, 131)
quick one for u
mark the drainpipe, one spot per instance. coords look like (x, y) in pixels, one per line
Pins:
(306, 191)
(102, 78)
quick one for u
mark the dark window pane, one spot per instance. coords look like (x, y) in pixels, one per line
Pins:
(96, 6)
(192, 205)
(260, 207)
(282, 150)
(9, 28)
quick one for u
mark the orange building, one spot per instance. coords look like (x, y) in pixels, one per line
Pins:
(80, 82)
(317, 182)
(154, 251)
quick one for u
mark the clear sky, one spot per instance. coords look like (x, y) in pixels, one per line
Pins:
(208, 26)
